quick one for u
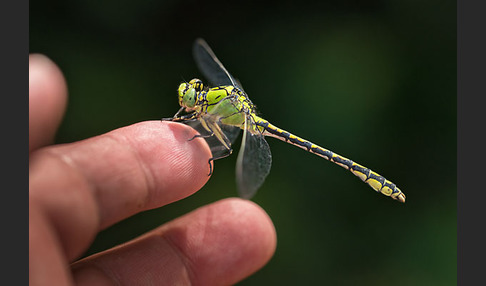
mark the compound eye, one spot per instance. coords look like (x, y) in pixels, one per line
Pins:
(181, 91)
(189, 98)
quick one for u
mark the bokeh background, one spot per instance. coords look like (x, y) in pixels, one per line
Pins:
(374, 81)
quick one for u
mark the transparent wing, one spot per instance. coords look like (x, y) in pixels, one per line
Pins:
(231, 132)
(253, 163)
(218, 144)
(218, 149)
(210, 66)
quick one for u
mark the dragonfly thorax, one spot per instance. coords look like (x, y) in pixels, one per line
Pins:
(188, 93)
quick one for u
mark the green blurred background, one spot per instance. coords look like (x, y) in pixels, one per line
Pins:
(374, 81)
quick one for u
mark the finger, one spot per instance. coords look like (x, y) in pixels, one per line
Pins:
(218, 244)
(47, 262)
(47, 100)
(88, 185)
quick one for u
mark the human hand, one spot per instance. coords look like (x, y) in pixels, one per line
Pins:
(78, 189)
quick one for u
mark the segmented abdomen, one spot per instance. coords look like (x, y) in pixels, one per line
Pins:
(373, 179)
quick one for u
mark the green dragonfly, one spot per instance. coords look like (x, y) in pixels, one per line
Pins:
(221, 111)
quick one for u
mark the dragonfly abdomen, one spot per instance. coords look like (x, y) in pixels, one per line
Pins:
(373, 179)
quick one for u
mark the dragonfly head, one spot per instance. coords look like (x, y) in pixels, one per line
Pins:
(188, 93)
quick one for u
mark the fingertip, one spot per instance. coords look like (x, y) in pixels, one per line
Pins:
(47, 100)
(224, 242)
(164, 164)
(179, 166)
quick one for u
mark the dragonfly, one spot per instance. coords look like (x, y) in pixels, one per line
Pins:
(224, 109)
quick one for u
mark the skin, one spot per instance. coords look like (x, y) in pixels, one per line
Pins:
(81, 188)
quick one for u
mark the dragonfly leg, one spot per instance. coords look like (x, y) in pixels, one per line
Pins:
(210, 166)
(201, 136)
(216, 158)
(177, 118)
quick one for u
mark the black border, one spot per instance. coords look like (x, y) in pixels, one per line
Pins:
(14, 23)
(471, 77)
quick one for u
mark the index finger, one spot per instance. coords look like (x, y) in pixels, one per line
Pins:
(96, 182)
